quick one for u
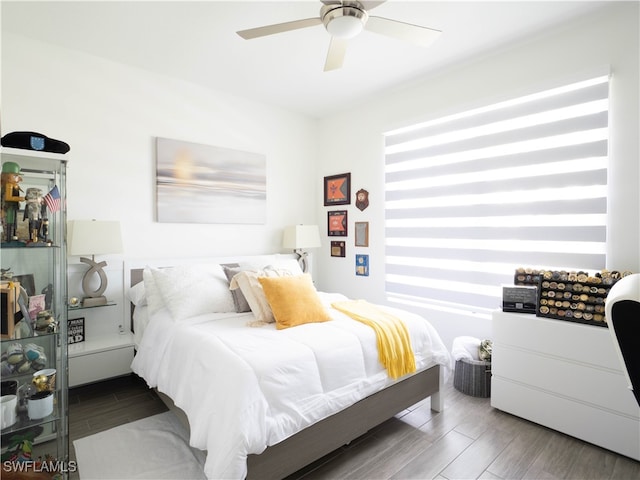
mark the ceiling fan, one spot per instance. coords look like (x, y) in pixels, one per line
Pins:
(344, 20)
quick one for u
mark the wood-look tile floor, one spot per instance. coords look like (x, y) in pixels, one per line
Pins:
(468, 440)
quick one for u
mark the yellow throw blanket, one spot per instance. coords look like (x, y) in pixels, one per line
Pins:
(394, 344)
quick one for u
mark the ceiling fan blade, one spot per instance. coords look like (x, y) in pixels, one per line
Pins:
(278, 28)
(335, 57)
(415, 34)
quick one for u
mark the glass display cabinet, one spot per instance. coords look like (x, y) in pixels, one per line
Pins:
(34, 315)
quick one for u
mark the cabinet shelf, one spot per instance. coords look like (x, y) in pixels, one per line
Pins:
(35, 336)
(24, 422)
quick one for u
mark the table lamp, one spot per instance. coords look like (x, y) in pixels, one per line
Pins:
(91, 237)
(301, 237)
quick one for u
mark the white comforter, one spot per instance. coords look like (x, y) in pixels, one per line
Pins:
(245, 388)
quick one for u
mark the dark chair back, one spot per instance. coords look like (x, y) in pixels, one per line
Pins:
(623, 318)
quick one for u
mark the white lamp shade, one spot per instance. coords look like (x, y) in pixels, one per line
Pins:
(301, 236)
(92, 237)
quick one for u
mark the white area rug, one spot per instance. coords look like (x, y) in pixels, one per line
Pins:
(156, 447)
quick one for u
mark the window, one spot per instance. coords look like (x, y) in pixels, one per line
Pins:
(472, 196)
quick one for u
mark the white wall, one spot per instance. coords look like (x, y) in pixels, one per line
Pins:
(352, 141)
(110, 113)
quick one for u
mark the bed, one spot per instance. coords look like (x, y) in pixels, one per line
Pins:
(262, 397)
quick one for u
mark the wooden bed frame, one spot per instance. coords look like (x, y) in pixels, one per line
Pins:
(325, 436)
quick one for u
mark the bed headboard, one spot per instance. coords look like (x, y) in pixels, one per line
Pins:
(133, 268)
(135, 276)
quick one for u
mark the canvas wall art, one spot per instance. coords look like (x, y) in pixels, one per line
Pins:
(198, 183)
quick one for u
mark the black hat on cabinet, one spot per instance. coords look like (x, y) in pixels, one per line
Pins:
(34, 141)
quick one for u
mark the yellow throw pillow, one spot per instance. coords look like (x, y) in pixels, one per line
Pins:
(293, 300)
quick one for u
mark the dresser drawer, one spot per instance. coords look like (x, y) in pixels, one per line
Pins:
(574, 342)
(600, 427)
(584, 383)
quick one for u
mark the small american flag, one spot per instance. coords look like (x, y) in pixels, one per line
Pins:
(52, 199)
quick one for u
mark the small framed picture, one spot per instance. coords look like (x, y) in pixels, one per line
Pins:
(75, 330)
(338, 248)
(362, 234)
(36, 305)
(337, 189)
(362, 265)
(337, 223)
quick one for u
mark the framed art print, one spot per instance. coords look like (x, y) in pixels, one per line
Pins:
(337, 189)
(338, 248)
(362, 234)
(37, 303)
(362, 265)
(337, 223)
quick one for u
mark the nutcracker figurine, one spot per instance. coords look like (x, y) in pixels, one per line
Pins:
(10, 183)
(36, 212)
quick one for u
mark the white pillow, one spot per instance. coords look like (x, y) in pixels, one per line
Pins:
(137, 294)
(290, 264)
(154, 297)
(190, 290)
(247, 282)
(277, 261)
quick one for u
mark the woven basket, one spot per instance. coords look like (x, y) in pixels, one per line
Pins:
(473, 377)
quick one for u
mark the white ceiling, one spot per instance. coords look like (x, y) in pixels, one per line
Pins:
(196, 41)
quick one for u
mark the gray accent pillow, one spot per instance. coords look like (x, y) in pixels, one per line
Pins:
(240, 303)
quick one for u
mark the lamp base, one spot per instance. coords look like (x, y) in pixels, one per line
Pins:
(94, 301)
(303, 260)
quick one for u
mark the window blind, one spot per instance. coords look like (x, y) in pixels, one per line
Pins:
(471, 196)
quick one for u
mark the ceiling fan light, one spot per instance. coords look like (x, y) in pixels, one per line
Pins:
(345, 27)
(345, 21)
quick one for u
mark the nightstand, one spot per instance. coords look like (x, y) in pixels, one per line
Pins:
(106, 352)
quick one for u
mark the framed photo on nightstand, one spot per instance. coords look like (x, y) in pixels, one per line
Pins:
(75, 330)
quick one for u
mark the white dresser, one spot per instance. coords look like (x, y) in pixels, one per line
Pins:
(565, 376)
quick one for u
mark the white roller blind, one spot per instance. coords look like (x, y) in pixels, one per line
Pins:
(472, 196)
